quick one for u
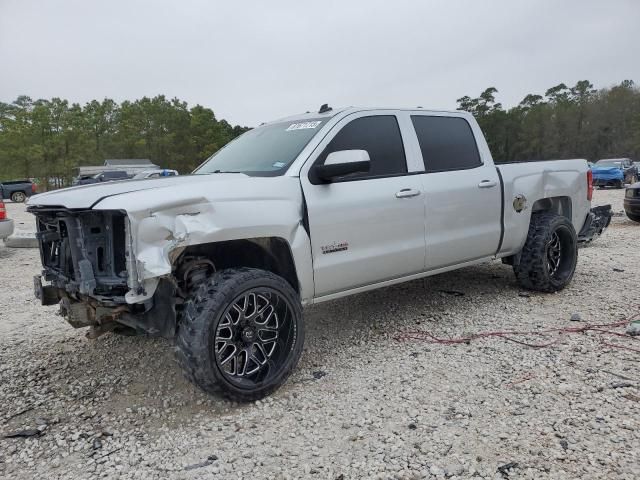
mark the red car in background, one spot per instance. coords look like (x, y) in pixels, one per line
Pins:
(6, 224)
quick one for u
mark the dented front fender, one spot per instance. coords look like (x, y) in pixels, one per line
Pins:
(162, 223)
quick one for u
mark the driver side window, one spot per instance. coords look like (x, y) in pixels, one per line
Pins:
(380, 137)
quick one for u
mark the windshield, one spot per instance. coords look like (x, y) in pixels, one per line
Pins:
(264, 151)
(609, 163)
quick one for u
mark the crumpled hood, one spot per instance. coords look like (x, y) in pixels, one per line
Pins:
(167, 188)
(169, 213)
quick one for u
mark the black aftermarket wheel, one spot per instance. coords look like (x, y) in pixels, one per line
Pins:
(550, 254)
(241, 333)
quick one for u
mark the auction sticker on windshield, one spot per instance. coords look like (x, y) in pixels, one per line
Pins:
(302, 126)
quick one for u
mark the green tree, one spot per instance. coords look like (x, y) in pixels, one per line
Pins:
(567, 122)
(49, 139)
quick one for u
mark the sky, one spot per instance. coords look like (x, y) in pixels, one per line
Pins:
(254, 61)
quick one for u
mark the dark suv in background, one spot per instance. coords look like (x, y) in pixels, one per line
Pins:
(632, 202)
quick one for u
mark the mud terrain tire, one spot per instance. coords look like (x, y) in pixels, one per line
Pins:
(550, 254)
(240, 334)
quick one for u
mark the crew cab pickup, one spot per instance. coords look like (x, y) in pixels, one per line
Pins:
(17, 191)
(297, 211)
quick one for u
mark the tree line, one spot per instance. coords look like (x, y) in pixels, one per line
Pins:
(49, 139)
(565, 122)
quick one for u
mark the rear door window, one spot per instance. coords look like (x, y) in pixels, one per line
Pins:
(447, 143)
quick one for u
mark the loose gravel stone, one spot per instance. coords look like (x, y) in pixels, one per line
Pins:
(361, 404)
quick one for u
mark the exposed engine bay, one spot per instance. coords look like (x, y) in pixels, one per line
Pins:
(85, 255)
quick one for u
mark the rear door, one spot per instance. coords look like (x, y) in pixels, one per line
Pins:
(365, 228)
(463, 195)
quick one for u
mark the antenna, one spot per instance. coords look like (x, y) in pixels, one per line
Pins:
(325, 108)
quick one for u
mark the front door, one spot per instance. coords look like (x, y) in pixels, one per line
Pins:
(365, 228)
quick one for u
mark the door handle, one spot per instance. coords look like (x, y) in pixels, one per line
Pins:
(407, 192)
(487, 184)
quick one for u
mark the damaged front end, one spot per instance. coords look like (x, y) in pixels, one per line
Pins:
(89, 268)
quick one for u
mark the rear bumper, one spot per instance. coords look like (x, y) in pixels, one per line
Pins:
(6, 228)
(598, 219)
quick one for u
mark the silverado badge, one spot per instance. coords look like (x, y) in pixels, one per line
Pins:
(335, 247)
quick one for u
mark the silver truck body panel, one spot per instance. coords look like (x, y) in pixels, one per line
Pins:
(537, 181)
(169, 213)
(363, 235)
(382, 236)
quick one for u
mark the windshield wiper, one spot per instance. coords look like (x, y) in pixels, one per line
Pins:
(224, 171)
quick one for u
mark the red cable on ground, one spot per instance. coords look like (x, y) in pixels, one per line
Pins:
(422, 335)
(623, 347)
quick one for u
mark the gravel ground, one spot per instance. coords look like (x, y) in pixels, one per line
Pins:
(361, 404)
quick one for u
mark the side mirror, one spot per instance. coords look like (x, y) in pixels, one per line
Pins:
(343, 162)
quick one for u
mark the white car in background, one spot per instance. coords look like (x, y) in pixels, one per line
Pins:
(155, 174)
(6, 224)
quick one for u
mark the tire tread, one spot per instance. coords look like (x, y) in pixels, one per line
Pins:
(531, 272)
(192, 347)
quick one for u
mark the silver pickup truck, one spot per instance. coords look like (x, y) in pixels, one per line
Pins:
(297, 211)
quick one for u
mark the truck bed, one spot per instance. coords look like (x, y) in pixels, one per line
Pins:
(560, 181)
(16, 182)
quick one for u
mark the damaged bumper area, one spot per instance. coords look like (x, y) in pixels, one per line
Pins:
(595, 224)
(85, 256)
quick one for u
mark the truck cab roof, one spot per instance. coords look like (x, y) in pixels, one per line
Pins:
(344, 111)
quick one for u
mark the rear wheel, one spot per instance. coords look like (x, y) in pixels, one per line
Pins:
(18, 197)
(241, 334)
(635, 218)
(550, 254)
(620, 184)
